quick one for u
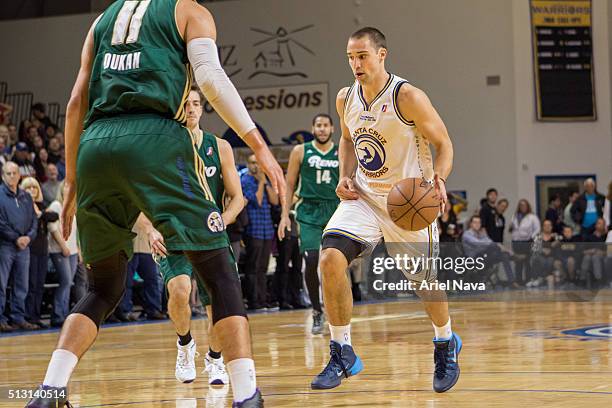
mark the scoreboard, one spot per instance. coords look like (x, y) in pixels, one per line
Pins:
(563, 60)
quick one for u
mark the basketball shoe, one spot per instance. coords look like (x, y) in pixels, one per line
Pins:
(318, 318)
(343, 363)
(50, 397)
(256, 401)
(216, 370)
(185, 370)
(446, 359)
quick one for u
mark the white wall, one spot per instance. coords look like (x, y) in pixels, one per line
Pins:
(561, 148)
(445, 47)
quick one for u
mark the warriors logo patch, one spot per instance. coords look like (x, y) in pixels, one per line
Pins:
(215, 222)
(370, 152)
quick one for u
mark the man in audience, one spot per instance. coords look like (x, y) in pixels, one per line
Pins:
(476, 243)
(22, 158)
(567, 213)
(588, 208)
(55, 150)
(259, 232)
(488, 212)
(18, 225)
(554, 214)
(51, 186)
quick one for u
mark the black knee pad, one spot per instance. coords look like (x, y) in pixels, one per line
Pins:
(106, 288)
(350, 248)
(217, 271)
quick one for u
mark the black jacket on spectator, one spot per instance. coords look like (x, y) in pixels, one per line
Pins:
(488, 215)
(579, 207)
(554, 216)
(40, 245)
(17, 216)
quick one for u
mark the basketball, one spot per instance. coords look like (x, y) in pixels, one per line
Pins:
(412, 204)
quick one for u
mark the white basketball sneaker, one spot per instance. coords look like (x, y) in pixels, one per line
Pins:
(216, 370)
(185, 362)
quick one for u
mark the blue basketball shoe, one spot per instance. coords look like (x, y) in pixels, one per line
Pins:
(446, 359)
(343, 363)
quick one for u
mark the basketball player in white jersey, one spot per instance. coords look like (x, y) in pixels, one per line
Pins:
(387, 127)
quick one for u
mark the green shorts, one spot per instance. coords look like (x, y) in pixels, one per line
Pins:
(312, 217)
(176, 264)
(143, 163)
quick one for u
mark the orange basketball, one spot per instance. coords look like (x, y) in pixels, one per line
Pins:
(412, 204)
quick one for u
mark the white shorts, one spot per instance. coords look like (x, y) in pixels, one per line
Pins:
(367, 222)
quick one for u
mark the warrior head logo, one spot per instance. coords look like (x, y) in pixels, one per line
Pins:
(370, 152)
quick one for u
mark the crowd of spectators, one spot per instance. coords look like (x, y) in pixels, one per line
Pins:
(571, 247)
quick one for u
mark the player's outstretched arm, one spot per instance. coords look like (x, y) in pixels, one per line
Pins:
(415, 105)
(293, 172)
(346, 154)
(231, 182)
(75, 114)
(199, 32)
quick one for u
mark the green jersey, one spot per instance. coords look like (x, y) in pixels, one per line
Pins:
(209, 152)
(140, 62)
(319, 174)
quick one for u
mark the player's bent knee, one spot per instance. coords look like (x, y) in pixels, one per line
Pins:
(332, 260)
(106, 288)
(217, 272)
(179, 290)
(346, 247)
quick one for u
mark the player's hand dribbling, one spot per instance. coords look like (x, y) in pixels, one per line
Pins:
(346, 189)
(440, 187)
(68, 208)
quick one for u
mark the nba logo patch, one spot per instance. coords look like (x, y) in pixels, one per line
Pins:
(384, 108)
(209, 152)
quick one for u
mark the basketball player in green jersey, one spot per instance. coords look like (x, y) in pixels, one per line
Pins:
(134, 155)
(314, 167)
(224, 183)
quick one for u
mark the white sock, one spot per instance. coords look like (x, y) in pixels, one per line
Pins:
(60, 368)
(444, 332)
(242, 377)
(341, 334)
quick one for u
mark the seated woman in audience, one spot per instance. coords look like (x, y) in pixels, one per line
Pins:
(545, 244)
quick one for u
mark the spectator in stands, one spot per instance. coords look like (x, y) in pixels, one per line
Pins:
(54, 149)
(488, 212)
(61, 165)
(50, 132)
(567, 213)
(143, 264)
(18, 226)
(588, 208)
(545, 244)
(30, 135)
(447, 218)
(259, 233)
(39, 253)
(524, 227)
(51, 187)
(5, 134)
(607, 210)
(5, 113)
(567, 255)
(500, 221)
(64, 255)
(13, 135)
(37, 118)
(3, 156)
(21, 157)
(594, 256)
(554, 213)
(476, 243)
(40, 165)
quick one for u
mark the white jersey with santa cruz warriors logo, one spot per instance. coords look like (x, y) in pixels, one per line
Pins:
(388, 146)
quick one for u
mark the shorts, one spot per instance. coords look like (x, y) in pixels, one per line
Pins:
(143, 163)
(312, 216)
(367, 222)
(176, 264)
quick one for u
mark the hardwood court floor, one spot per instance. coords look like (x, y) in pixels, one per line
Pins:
(514, 355)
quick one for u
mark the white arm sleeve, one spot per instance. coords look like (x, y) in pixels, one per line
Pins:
(216, 86)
